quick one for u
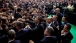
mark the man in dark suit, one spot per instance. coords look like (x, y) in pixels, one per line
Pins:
(49, 22)
(64, 21)
(18, 14)
(66, 36)
(59, 16)
(37, 33)
(11, 37)
(22, 34)
(48, 36)
(53, 10)
(56, 26)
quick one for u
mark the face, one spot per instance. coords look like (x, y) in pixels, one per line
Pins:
(54, 18)
(49, 20)
(63, 19)
(57, 10)
(36, 20)
(65, 28)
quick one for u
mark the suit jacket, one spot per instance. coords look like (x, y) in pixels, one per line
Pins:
(52, 11)
(23, 36)
(36, 33)
(62, 26)
(17, 15)
(60, 15)
(54, 25)
(67, 38)
(15, 41)
(4, 39)
(51, 39)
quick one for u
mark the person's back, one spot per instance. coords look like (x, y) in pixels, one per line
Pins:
(48, 38)
(15, 41)
(51, 39)
(22, 35)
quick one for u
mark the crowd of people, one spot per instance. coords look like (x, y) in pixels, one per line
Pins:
(25, 21)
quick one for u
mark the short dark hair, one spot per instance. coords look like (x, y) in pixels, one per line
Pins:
(3, 26)
(65, 17)
(50, 30)
(19, 9)
(68, 26)
(40, 18)
(19, 24)
(11, 34)
(3, 20)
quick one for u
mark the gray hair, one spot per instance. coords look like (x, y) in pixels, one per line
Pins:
(50, 30)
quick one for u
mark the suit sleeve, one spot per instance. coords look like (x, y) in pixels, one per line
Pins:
(30, 22)
(18, 41)
(41, 42)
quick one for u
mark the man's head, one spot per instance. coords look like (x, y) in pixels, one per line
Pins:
(49, 20)
(67, 27)
(57, 10)
(19, 25)
(49, 31)
(38, 19)
(19, 10)
(54, 7)
(54, 17)
(11, 34)
(64, 18)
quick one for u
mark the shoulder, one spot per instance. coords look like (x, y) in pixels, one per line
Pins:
(17, 41)
(42, 41)
(25, 30)
(69, 34)
(54, 37)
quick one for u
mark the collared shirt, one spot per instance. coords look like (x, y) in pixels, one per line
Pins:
(47, 36)
(10, 41)
(64, 33)
(49, 24)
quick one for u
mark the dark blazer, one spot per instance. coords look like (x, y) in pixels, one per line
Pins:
(52, 11)
(51, 39)
(4, 39)
(57, 33)
(23, 36)
(62, 26)
(37, 33)
(17, 15)
(67, 38)
(15, 41)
